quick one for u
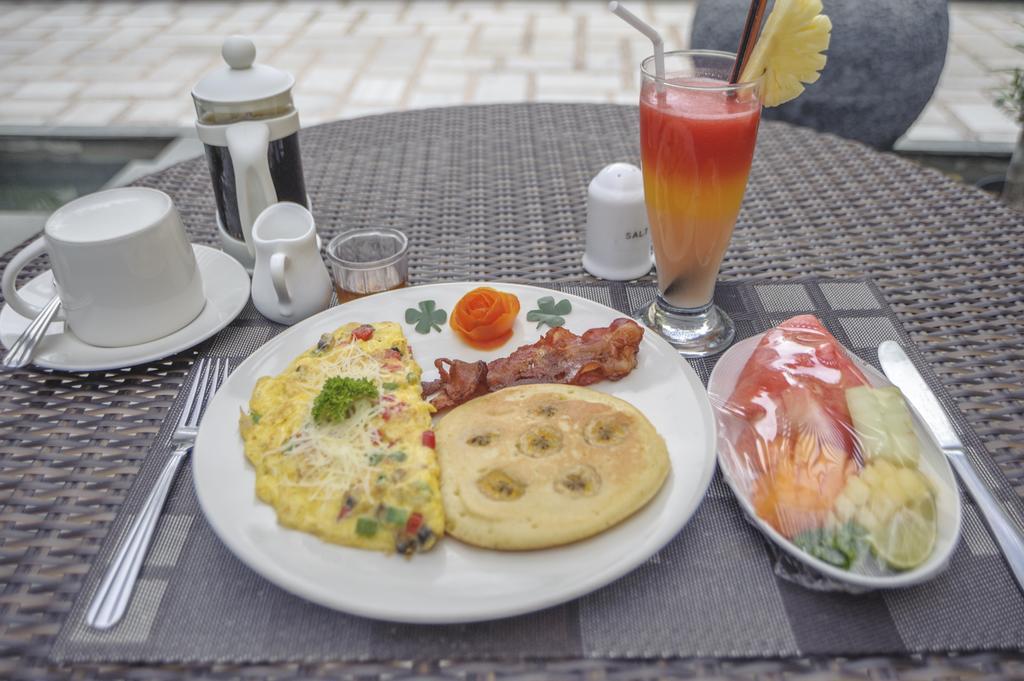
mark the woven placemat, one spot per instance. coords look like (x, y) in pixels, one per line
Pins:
(196, 602)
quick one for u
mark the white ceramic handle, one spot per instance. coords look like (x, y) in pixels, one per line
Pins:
(14, 268)
(247, 143)
(278, 263)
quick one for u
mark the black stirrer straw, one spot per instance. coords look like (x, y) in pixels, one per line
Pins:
(750, 31)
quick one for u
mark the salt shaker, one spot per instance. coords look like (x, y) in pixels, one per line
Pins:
(618, 236)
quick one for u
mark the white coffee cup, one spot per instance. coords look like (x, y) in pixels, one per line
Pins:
(123, 267)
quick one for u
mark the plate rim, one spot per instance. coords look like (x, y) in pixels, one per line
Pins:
(308, 592)
(221, 257)
(900, 580)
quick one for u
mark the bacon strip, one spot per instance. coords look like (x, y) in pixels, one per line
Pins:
(560, 356)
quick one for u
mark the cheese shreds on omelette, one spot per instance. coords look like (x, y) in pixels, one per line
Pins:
(370, 480)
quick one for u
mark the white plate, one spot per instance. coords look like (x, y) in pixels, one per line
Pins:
(933, 464)
(227, 290)
(453, 582)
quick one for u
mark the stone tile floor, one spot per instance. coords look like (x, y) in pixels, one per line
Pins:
(131, 64)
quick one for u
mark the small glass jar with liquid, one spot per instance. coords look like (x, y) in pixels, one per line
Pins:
(368, 261)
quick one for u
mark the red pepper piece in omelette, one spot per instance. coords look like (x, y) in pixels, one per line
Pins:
(364, 332)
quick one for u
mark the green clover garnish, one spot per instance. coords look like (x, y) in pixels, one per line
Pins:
(427, 317)
(549, 313)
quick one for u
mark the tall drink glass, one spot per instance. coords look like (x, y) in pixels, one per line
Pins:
(697, 135)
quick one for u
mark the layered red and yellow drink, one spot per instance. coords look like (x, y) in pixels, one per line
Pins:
(697, 137)
(696, 144)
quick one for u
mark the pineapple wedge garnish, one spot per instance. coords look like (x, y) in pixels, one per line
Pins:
(789, 51)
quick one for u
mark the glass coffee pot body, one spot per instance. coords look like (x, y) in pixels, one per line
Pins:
(248, 124)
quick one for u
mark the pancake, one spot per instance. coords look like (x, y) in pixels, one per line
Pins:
(534, 466)
(368, 479)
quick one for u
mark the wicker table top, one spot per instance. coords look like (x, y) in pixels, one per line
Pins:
(498, 192)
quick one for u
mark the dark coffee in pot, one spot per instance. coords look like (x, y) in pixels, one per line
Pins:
(285, 170)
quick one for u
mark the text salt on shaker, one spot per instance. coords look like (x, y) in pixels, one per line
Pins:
(618, 236)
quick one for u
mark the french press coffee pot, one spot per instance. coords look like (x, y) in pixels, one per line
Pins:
(247, 121)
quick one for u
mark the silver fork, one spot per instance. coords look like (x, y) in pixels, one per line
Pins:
(111, 598)
(21, 351)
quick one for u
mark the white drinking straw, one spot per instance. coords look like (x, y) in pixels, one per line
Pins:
(648, 30)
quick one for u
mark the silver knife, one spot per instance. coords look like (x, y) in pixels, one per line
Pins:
(904, 375)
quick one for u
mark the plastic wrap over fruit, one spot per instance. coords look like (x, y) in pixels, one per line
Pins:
(825, 460)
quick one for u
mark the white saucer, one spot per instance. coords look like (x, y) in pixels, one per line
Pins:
(227, 290)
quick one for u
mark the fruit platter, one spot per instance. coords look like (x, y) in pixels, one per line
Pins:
(829, 461)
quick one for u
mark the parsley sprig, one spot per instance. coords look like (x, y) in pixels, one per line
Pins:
(337, 400)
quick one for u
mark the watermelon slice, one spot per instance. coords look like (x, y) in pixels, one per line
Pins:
(798, 449)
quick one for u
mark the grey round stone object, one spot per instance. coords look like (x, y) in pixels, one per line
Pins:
(884, 62)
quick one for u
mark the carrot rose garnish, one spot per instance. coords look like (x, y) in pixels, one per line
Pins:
(484, 317)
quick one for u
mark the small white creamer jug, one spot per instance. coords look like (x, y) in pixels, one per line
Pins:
(289, 279)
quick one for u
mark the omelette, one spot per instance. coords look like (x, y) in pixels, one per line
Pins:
(342, 444)
(541, 465)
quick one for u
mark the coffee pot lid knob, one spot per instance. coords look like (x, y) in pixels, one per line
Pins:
(239, 52)
(240, 79)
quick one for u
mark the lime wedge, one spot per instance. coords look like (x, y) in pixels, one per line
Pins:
(908, 538)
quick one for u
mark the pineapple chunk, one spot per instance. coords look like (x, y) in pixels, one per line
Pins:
(892, 488)
(867, 519)
(883, 506)
(788, 53)
(857, 491)
(844, 508)
(914, 485)
(884, 468)
(870, 476)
